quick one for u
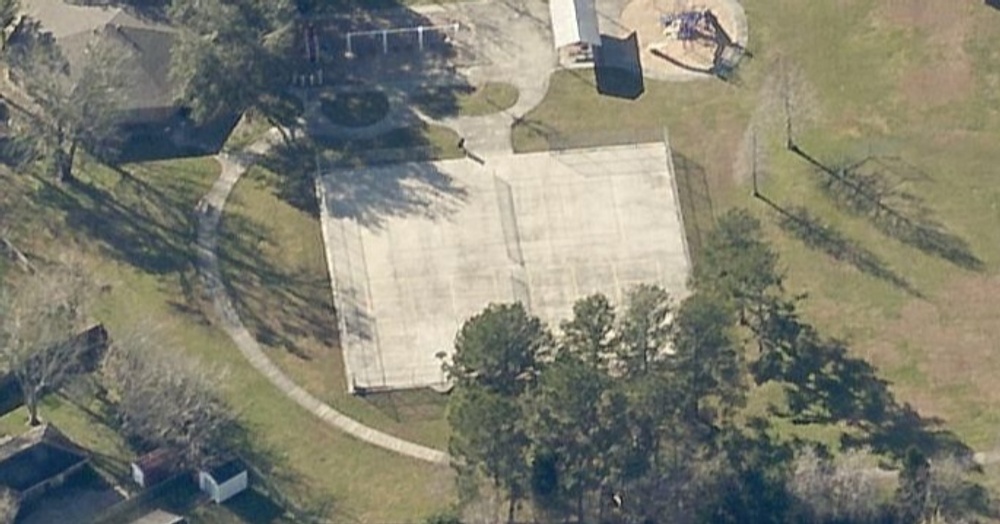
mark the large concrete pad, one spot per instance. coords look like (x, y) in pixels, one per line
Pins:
(545, 229)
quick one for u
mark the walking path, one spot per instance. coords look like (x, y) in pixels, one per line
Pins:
(209, 215)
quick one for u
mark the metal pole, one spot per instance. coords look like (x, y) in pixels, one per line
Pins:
(753, 168)
(349, 51)
(316, 43)
(385, 42)
(420, 37)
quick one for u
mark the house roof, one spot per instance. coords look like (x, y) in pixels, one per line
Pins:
(145, 45)
(161, 459)
(227, 470)
(35, 456)
(573, 22)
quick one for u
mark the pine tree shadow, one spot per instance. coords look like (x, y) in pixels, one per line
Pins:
(876, 190)
(809, 229)
(825, 384)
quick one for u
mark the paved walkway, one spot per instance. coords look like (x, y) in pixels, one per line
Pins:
(209, 213)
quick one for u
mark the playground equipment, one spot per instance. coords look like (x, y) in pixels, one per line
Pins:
(687, 25)
(700, 27)
(447, 32)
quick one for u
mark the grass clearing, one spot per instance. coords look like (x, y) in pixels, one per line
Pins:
(935, 350)
(135, 226)
(450, 101)
(273, 260)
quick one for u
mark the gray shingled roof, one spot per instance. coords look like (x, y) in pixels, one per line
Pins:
(146, 46)
(35, 456)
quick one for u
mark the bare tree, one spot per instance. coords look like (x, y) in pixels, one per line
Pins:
(846, 489)
(78, 106)
(9, 15)
(8, 506)
(39, 318)
(788, 99)
(952, 495)
(751, 157)
(165, 399)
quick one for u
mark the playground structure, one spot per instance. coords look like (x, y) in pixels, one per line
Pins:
(679, 40)
(339, 48)
(699, 28)
(689, 25)
(425, 36)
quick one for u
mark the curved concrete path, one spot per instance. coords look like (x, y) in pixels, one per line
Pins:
(209, 214)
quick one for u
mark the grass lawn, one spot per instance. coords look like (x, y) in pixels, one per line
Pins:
(442, 102)
(135, 227)
(909, 85)
(273, 261)
(423, 142)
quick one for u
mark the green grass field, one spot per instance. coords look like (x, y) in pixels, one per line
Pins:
(136, 228)
(442, 102)
(910, 85)
(273, 260)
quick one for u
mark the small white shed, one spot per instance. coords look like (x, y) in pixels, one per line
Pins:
(574, 22)
(223, 481)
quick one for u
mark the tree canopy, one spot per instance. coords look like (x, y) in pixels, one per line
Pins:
(642, 410)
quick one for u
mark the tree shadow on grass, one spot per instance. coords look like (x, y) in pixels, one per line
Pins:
(811, 231)
(147, 230)
(150, 227)
(272, 482)
(825, 384)
(410, 405)
(280, 305)
(874, 190)
(369, 194)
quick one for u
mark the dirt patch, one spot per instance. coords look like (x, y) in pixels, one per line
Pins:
(952, 345)
(946, 75)
(667, 57)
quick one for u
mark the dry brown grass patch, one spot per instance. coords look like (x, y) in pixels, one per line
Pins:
(951, 342)
(946, 76)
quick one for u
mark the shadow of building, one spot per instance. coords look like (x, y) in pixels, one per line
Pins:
(617, 67)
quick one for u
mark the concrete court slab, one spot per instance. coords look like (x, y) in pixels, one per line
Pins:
(543, 228)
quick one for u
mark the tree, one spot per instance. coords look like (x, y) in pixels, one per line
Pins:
(707, 364)
(833, 490)
(500, 350)
(914, 487)
(9, 506)
(10, 11)
(488, 439)
(78, 107)
(576, 424)
(739, 266)
(234, 55)
(166, 400)
(498, 355)
(644, 329)
(787, 92)
(39, 318)
(590, 334)
(952, 494)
